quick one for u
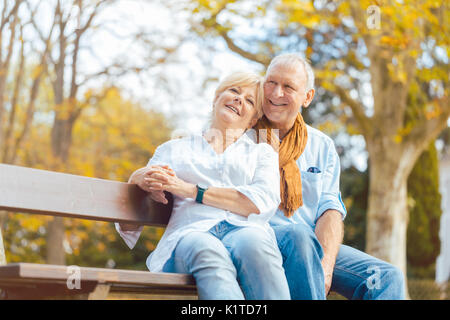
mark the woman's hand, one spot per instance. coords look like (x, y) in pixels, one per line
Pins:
(166, 180)
(139, 178)
(156, 180)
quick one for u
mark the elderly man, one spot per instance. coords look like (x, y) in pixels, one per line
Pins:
(309, 223)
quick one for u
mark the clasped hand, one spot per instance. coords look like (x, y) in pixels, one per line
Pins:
(158, 179)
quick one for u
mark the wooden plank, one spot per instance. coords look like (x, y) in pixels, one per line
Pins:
(40, 290)
(32, 271)
(100, 292)
(38, 281)
(31, 190)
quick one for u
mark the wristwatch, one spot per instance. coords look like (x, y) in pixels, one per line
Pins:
(201, 188)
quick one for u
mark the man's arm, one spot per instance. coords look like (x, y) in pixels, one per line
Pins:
(329, 232)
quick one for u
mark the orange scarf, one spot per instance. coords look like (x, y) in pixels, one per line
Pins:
(291, 148)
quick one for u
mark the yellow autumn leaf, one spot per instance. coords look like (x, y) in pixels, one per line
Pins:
(37, 70)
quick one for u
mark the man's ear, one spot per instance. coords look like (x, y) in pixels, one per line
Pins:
(309, 98)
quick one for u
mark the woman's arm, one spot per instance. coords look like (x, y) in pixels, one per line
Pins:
(229, 199)
(222, 198)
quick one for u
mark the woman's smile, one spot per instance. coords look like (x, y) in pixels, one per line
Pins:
(233, 108)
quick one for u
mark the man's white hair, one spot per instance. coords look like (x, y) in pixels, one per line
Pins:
(290, 59)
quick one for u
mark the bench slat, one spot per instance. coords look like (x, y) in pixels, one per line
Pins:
(43, 281)
(38, 191)
(54, 273)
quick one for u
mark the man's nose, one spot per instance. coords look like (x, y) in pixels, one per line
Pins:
(278, 91)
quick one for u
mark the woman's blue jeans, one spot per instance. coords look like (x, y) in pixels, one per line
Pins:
(356, 274)
(231, 262)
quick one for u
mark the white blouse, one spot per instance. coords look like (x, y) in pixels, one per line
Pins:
(249, 168)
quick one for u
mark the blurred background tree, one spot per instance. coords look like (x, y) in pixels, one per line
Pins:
(111, 140)
(424, 244)
(424, 202)
(45, 89)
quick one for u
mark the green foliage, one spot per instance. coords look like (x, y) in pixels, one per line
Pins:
(24, 238)
(355, 191)
(105, 248)
(423, 244)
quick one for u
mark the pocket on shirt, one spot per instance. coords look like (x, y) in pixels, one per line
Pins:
(311, 176)
(311, 191)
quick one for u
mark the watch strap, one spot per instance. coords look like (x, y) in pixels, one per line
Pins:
(200, 193)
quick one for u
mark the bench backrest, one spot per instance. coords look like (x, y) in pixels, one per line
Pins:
(60, 194)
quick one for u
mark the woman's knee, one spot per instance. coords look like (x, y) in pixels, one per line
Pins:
(254, 244)
(199, 248)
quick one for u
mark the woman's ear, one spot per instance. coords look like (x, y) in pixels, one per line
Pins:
(253, 122)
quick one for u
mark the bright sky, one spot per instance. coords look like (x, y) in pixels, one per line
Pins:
(189, 103)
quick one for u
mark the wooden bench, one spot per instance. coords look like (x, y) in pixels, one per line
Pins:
(34, 191)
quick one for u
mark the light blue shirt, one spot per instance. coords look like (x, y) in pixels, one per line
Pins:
(320, 189)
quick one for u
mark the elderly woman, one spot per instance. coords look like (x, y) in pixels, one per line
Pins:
(225, 188)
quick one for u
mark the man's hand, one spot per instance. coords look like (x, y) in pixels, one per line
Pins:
(328, 275)
(329, 232)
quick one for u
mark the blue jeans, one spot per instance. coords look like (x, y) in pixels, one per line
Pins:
(231, 263)
(356, 275)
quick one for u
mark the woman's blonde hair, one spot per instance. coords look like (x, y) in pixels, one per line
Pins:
(244, 79)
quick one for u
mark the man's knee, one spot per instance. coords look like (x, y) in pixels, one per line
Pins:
(300, 239)
(394, 276)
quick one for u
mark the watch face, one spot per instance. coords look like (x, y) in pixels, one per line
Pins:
(202, 185)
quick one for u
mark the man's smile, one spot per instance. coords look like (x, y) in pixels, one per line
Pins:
(277, 104)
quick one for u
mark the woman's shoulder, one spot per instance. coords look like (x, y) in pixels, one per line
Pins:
(262, 149)
(177, 142)
(173, 150)
(266, 151)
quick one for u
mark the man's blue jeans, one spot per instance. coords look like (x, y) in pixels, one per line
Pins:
(231, 262)
(356, 275)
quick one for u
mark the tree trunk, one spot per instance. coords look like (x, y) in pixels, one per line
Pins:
(2, 250)
(61, 140)
(387, 215)
(55, 232)
(55, 240)
(2, 246)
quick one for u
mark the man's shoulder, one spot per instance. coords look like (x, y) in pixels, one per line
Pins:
(318, 135)
(319, 146)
